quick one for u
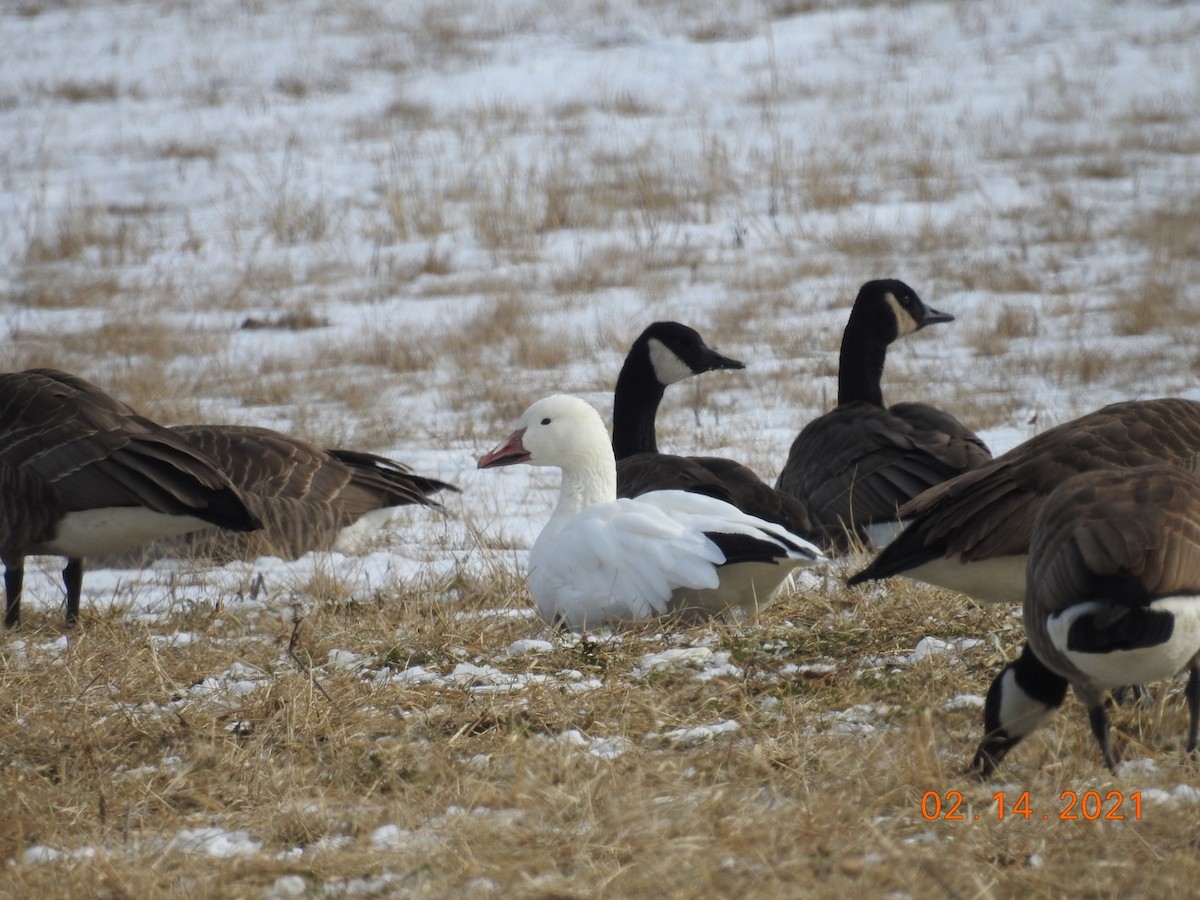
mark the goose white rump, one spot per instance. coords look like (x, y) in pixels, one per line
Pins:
(600, 559)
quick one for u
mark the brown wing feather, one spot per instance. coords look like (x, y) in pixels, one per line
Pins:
(1119, 534)
(860, 463)
(304, 494)
(990, 511)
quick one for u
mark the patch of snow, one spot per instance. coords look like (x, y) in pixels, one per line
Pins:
(700, 734)
(214, 841)
(599, 747)
(964, 701)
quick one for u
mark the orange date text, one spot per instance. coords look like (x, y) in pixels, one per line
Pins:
(1085, 806)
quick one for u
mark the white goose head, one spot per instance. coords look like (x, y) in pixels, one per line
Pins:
(566, 433)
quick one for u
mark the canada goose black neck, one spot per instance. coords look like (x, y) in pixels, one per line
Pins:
(883, 311)
(664, 353)
(864, 350)
(635, 406)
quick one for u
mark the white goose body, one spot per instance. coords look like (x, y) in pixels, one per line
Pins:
(601, 559)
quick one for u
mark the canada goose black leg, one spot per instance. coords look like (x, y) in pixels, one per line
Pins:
(73, 581)
(1098, 717)
(14, 577)
(1135, 694)
(1193, 700)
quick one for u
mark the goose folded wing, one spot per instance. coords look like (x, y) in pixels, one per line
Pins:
(620, 560)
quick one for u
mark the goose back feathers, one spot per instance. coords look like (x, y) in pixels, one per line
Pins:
(601, 559)
(972, 533)
(307, 498)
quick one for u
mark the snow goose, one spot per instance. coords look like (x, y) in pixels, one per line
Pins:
(667, 352)
(307, 498)
(1113, 598)
(601, 559)
(855, 465)
(85, 475)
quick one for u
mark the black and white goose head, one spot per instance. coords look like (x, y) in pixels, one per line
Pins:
(674, 352)
(893, 309)
(883, 311)
(1020, 699)
(666, 352)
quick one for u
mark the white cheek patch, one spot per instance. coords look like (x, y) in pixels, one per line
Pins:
(905, 323)
(668, 368)
(1019, 713)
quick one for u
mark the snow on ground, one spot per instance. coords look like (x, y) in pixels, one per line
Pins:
(1030, 132)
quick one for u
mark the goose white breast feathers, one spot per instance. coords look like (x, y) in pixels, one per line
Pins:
(601, 559)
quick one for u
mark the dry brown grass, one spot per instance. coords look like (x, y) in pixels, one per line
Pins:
(108, 744)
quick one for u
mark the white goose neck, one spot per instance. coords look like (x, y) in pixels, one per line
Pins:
(588, 479)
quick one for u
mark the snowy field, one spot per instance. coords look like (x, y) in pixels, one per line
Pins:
(391, 226)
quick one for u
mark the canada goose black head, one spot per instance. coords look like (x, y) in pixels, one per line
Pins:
(675, 352)
(666, 352)
(885, 310)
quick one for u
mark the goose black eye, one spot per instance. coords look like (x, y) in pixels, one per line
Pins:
(545, 421)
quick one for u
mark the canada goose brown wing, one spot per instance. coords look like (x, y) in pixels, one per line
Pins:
(304, 494)
(391, 481)
(1121, 535)
(96, 453)
(28, 510)
(989, 512)
(860, 463)
(724, 479)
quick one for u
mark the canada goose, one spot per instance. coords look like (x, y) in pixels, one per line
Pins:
(972, 533)
(1113, 598)
(667, 352)
(856, 465)
(307, 498)
(602, 559)
(85, 475)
